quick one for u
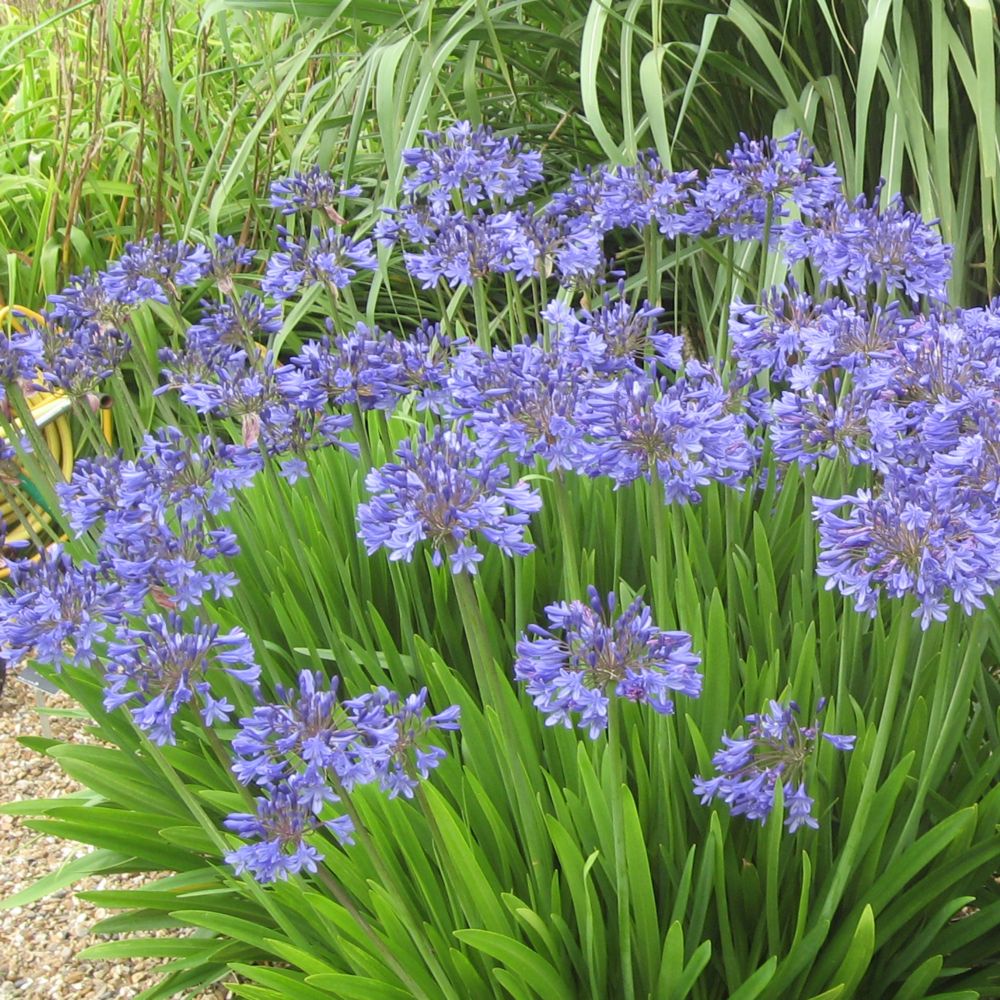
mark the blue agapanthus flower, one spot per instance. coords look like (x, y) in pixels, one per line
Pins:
(587, 655)
(329, 259)
(776, 750)
(278, 831)
(158, 669)
(913, 534)
(687, 433)
(312, 190)
(445, 491)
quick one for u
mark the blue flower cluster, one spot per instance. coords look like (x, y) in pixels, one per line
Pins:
(309, 750)
(157, 540)
(775, 751)
(587, 654)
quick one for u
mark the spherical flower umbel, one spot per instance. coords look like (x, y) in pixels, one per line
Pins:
(279, 826)
(443, 490)
(408, 760)
(775, 750)
(166, 665)
(586, 655)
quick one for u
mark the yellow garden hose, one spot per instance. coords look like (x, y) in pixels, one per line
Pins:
(51, 412)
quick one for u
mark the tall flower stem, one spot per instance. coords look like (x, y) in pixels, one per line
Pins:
(390, 882)
(482, 314)
(337, 891)
(616, 751)
(570, 544)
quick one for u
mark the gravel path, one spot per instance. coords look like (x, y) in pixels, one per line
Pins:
(39, 942)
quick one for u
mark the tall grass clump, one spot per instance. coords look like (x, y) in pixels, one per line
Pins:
(568, 636)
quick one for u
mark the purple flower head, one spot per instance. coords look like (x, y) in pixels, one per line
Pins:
(59, 612)
(826, 423)
(521, 401)
(615, 337)
(462, 249)
(280, 826)
(622, 197)
(160, 668)
(686, 433)
(776, 750)
(242, 324)
(443, 490)
(915, 535)
(308, 724)
(329, 259)
(313, 190)
(859, 245)
(86, 300)
(78, 358)
(473, 162)
(586, 654)
(761, 177)
(21, 357)
(228, 258)
(154, 271)
(411, 757)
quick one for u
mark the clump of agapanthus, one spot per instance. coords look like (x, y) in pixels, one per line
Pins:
(444, 490)
(155, 270)
(635, 196)
(85, 299)
(59, 612)
(587, 654)
(827, 422)
(912, 534)
(172, 472)
(865, 248)
(473, 162)
(686, 433)
(411, 758)
(776, 750)
(279, 828)
(169, 663)
(522, 401)
(178, 563)
(329, 259)
(312, 190)
(759, 181)
(345, 368)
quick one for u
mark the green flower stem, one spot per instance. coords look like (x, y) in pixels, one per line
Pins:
(482, 314)
(945, 732)
(361, 433)
(849, 855)
(479, 643)
(570, 545)
(264, 899)
(658, 513)
(337, 891)
(652, 263)
(616, 752)
(390, 882)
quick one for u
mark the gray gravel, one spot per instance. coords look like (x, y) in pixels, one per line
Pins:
(39, 942)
